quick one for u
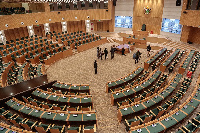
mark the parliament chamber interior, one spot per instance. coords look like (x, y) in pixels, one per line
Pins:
(99, 66)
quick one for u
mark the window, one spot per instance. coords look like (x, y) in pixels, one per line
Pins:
(123, 21)
(171, 25)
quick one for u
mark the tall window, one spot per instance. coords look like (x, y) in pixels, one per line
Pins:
(123, 21)
(171, 25)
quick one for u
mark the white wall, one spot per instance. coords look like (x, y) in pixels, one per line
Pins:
(124, 8)
(171, 11)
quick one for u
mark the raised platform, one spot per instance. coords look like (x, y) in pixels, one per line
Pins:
(22, 87)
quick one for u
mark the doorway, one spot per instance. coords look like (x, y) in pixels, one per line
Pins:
(99, 26)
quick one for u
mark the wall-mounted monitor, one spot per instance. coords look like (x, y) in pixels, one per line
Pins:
(123, 21)
(171, 25)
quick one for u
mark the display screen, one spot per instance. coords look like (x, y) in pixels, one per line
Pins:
(123, 21)
(171, 25)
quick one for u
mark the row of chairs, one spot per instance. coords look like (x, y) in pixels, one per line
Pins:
(64, 99)
(71, 87)
(168, 61)
(192, 126)
(139, 106)
(111, 85)
(172, 118)
(27, 125)
(154, 57)
(130, 92)
(146, 93)
(47, 105)
(157, 112)
(176, 61)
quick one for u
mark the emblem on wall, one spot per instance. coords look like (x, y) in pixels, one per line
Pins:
(147, 10)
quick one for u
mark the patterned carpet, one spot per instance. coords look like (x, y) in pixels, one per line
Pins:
(79, 69)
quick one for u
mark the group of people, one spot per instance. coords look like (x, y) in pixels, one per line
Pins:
(100, 53)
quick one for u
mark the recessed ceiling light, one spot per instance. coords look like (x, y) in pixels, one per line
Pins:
(29, 87)
(75, 17)
(11, 93)
(6, 25)
(22, 23)
(49, 19)
(36, 21)
(63, 18)
(44, 82)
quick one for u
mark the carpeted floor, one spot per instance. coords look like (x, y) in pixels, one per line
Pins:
(79, 69)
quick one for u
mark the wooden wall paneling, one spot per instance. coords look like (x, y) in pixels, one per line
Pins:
(55, 27)
(76, 26)
(7, 35)
(153, 20)
(68, 26)
(42, 30)
(51, 27)
(72, 26)
(185, 33)
(191, 18)
(25, 31)
(14, 21)
(59, 27)
(83, 26)
(12, 34)
(16, 33)
(21, 32)
(79, 25)
(9, 5)
(194, 35)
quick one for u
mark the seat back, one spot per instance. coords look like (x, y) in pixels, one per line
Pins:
(40, 129)
(25, 126)
(135, 123)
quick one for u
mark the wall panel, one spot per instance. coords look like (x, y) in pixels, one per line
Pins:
(153, 20)
(14, 21)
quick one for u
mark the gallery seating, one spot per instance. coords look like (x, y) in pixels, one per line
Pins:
(192, 126)
(123, 80)
(176, 61)
(186, 62)
(171, 118)
(130, 92)
(153, 58)
(169, 60)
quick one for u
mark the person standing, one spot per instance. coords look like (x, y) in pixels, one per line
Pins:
(123, 50)
(106, 53)
(95, 66)
(98, 52)
(112, 52)
(148, 50)
(136, 58)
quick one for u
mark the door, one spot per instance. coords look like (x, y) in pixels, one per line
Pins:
(99, 26)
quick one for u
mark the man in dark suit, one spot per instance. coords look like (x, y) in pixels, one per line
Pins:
(95, 66)
(148, 50)
(123, 50)
(105, 52)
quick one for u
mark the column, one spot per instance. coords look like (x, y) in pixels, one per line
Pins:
(30, 30)
(2, 37)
